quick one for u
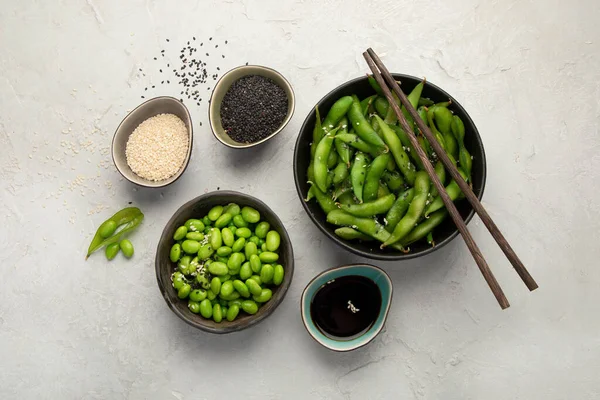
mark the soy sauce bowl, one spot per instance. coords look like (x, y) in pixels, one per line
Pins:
(375, 274)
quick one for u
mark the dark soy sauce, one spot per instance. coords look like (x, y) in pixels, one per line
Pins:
(345, 308)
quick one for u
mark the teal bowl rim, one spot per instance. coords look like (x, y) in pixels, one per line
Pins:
(362, 340)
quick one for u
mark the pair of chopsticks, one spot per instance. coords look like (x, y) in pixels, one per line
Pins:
(384, 78)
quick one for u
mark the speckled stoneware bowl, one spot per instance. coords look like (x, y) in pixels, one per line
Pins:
(151, 108)
(199, 207)
(377, 275)
(223, 85)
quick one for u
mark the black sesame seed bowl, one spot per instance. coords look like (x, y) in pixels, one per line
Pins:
(443, 233)
(249, 105)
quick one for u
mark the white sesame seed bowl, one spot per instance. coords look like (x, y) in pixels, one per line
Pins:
(152, 146)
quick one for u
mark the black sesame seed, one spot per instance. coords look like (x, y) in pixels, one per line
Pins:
(160, 71)
(155, 58)
(209, 38)
(168, 40)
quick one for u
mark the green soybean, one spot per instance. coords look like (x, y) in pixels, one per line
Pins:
(205, 251)
(273, 241)
(206, 308)
(250, 215)
(250, 249)
(256, 279)
(197, 295)
(268, 257)
(232, 209)
(266, 273)
(224, 251)
(253, 286)
(190, 246)
(175, 253)
(218, 268)
(243, 232)
(278, 274)
(215, 285)
(254, 239)
(126, 247)
(184, 291)
(197, 236)
(215, 239)
(227, 237)
(215, 213)
(184, 264)
(249, 306)
(238, 245)
(223, 220)
(241, 288)
(210, 295)
(245, 270)
(180, 233)
(264, 296)
(112, 250)
(178, 280)
(227, 288)
(262, 229)
(194, 225)
(194, 306)
(107, 228)
(232, 312)
(239, 221)
(232, 296)
(255, 263)
(235, 261)
(216, 314)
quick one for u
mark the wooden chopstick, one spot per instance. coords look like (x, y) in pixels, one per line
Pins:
(471, 197)
(460, 224)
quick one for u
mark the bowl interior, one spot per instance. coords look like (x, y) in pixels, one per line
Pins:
(223, 86)
(377, 275)
(199, 207)
(443, 233)
(151, 108)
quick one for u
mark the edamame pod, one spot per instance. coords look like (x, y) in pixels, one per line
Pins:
(317, 132)
(464, 157)
(373, 175)
(358, 174)
(453, 191)
(393, 180)
(402, 161)
(395, 214)
(425, 227)
(348, 233)
(370, 209)
(340, 172)
(336, 113)
(359, 144)
(320, 160)
(361, 126)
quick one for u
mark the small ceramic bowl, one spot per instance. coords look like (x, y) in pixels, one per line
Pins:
(152, 107)
(377, 275)
(223, 85)
(164, 267)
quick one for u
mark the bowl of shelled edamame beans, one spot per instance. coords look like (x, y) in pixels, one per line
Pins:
(361, 184)
(224, 262)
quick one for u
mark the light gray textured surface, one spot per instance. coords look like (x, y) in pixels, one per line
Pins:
(528, 72)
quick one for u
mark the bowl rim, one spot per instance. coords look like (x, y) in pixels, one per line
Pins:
(345, 244)
(288, 118)
(167, 235)
(349, 267)
(188, 156)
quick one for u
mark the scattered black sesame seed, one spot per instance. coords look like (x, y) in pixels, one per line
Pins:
(194, 37)
(222, 56)
(209, 38)
(143, 97)
(131, 202)
(155, 58)
(206, 54)
(146, 88)
(152, 86)
(140, 70)
(162, 82)
(168, 40)
(168, 81)
(160, 71)
(226, 42)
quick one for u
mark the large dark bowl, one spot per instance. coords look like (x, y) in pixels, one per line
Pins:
(443, 233)
(199, 207)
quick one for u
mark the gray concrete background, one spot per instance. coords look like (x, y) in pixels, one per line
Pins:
(528, 72)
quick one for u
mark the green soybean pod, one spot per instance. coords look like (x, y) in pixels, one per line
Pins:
(233, 312)
(227, 237)
(250, 215)
(107, 228)
(357, 175)
(238, 245)
(112, 250)
(223, 220)
(278, 274)
(232, 209)
(255, 263)
(239, 222)
(205, 251)
(194, 306)
(266, 273)
(398, 209)
(217, 313)
(243, 232)
(262, 229)
(250, 306)
(224, 251)
(227, 288)
(126, 247)
(197, 236)
(197, 295)
(245, 271)
(336, 113)
(215, 285)
(215, 213)
(268, 257)
(190, 246)
(273, 241)
(184, 291)
(241, 288)
(175, 253)
(180, 233)
(218, 268)
(253, 286)
(215, 238)
(206, 308)
(264, 296)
